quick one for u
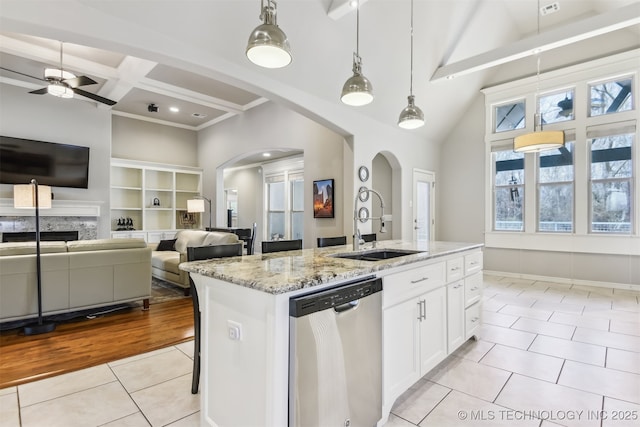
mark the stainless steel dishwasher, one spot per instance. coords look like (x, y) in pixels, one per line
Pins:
(335, 363)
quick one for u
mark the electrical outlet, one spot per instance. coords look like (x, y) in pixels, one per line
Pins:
(234, 330)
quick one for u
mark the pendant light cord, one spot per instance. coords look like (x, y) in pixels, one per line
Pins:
(411, 74)
(358, 28)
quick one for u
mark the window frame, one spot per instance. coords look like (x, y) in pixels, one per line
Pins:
(622, 65)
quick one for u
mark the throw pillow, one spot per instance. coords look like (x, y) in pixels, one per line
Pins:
(166, 245)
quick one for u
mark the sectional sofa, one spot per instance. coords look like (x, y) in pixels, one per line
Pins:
(168, 254)
(76, 275)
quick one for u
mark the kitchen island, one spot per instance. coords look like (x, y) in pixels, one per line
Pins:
(244, 303)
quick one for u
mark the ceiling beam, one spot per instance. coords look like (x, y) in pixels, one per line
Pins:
(340, 8)
(562, 36)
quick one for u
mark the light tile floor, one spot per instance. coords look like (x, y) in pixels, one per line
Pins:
(548, 354)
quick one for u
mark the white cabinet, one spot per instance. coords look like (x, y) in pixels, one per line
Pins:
(414, 326)
(152, 197)
(428, 312)
(455, 315)
(472, 295)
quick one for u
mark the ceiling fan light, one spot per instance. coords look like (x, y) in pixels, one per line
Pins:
(268, 45)
(538, 141)
(59, 90)
(411, 117)
(58, 74)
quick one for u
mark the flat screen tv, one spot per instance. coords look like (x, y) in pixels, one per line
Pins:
(57, 165)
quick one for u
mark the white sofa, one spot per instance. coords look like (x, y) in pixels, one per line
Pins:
(76, 275)
(164, 264)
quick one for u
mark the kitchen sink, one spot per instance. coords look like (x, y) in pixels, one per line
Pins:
(377, 254)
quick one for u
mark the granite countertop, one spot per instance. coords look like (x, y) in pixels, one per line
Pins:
(282, 272)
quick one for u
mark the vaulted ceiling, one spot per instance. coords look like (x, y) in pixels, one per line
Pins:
(190, 53)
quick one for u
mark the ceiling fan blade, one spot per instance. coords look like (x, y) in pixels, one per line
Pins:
(23, 74)
(39, 91)
(80, 81)
(94, 96)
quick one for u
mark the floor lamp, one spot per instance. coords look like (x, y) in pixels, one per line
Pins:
(197, 205)
(36, 196)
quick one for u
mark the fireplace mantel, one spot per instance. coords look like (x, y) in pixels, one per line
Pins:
(79, 208)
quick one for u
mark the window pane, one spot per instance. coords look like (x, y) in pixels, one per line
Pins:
(611, 207)
(611, 97)
(509, 117)
(509, 167)
(276, 196)
(509, 208)
(297, 225)
(509, 190)
(297, 195)
(556, 165)
(276, 225)
(556, 207)
(611, 157)
(557, 107)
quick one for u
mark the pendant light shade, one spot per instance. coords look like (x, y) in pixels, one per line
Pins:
(357, 90)
(411, 117)
(539, 139)
(268, 45)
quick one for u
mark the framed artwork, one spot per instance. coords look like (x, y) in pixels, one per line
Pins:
(323, 198)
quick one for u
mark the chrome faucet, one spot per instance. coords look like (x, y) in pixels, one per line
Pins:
(357, 237)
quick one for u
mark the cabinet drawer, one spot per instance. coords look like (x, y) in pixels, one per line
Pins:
(472, 319)
(401, 286)
(472, 289)
(455, 269)
(472, 263)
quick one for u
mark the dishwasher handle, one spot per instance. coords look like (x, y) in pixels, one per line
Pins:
(346, 306)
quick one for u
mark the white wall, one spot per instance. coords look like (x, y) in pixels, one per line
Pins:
(460, 182)
(67, 121)
(268, 127)
(152, 142)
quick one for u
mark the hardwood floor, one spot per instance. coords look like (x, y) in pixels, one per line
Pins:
(86, 343)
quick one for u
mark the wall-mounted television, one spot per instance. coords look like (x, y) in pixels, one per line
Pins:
(57, 165)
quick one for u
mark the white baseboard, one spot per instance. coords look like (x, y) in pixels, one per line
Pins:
(565, 280)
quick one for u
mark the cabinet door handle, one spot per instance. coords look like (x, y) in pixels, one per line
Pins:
(456, 286)
(420, 280)
(455, 269)
(475, 288)
(474, 320)
(424, 310)
(420, 310)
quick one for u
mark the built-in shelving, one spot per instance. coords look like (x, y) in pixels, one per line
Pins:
(154, 196)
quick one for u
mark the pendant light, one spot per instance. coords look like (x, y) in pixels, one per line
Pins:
(268, 45)
(357, 90)
(539, 139)
(411, 117)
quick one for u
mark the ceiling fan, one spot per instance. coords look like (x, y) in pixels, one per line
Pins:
(64, 84)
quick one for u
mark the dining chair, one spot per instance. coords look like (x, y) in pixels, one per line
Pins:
(197, 253)
(281, 245)
(331, 241)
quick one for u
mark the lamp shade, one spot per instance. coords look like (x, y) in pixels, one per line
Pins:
(60, 90)
(411, 117)
(538, 141)
(268, 47)
(195, 205)
(24, 196)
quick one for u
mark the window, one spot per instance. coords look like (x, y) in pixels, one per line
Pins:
(610, 97)
(556, 107)
(275, 208)
(611, 180)
(555, 189)
(509, 116)
(284, 192)
(508, 190)
(297, 205)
